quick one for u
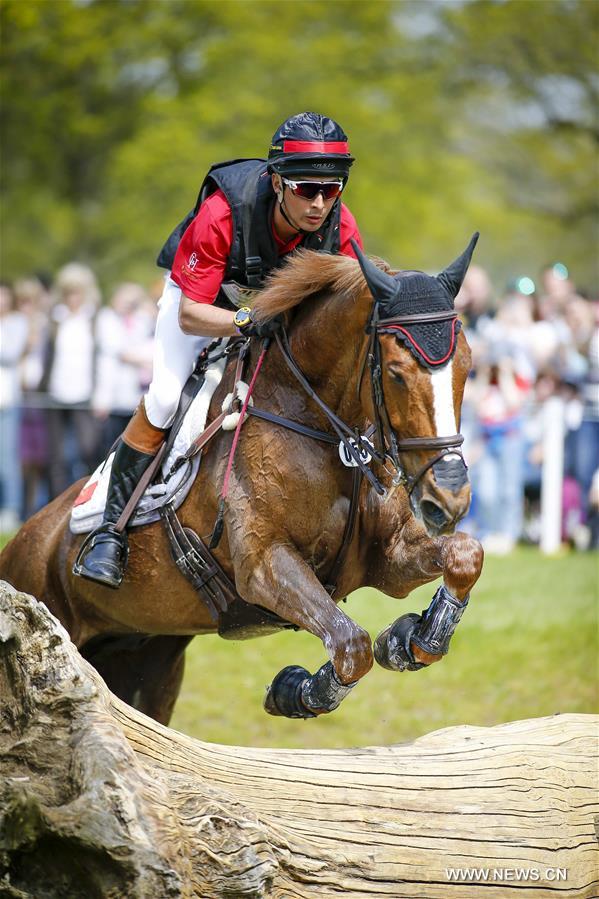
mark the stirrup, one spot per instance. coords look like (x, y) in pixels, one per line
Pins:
(105, 534)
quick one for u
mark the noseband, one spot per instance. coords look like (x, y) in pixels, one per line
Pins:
(388, 444)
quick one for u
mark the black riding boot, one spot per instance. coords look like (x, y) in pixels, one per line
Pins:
(103, 556)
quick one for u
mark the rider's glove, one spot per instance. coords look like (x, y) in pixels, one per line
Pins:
(248, 327)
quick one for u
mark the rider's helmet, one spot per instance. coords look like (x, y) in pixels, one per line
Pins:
(310, 144)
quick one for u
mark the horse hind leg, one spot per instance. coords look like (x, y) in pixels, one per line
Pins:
(416, 641)
(145, 672)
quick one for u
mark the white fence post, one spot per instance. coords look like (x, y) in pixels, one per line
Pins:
(552, 476)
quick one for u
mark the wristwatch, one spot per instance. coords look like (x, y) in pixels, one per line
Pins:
(242, 318)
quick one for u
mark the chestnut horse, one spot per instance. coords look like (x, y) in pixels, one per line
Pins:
(289, 496)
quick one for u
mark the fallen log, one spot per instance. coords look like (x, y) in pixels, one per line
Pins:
(96, 799)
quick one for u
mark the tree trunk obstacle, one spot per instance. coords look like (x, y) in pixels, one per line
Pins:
(97, 800)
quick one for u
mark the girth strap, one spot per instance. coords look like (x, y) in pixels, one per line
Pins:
(198, 565)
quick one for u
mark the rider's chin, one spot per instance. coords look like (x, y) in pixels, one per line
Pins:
(314, 221)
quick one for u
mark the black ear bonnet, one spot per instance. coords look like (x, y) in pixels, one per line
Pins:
(410, 293)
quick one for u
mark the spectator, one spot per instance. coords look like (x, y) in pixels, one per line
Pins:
(593, 512)
(69, 377)
(476, 307)
(557, 288)
(13, 339)
(124, 337)
(499, 393)
(586, 448)
(33, 301)
(475, 302)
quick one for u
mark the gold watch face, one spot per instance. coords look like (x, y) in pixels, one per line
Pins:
(242, 316)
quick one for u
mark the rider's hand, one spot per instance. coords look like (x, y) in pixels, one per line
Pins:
(248, 327)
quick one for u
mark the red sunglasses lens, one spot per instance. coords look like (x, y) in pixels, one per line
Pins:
(308, 190)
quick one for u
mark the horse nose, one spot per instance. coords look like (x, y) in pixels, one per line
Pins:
(433, 515)
(445, 495)
(451, 473)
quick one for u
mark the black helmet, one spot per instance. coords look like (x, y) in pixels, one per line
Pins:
(310, 144)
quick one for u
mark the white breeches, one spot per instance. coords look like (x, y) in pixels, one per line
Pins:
(175, 355)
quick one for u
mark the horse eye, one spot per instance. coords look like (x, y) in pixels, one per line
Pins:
(396, 375)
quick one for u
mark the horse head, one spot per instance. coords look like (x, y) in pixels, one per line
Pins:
(419, 360)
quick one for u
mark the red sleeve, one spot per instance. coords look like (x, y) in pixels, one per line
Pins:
(201, 257)
(348, 229)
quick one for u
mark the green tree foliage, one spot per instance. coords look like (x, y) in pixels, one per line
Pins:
(461, 115)
(527, 71)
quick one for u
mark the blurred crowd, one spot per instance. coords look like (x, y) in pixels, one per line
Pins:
(72, 371)
(532, 344)
(71, 374)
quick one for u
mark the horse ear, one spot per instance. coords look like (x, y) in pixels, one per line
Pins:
(451, 277)
(381, 285)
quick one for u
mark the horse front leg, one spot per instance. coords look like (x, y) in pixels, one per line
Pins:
(286, 585)
(416, 641)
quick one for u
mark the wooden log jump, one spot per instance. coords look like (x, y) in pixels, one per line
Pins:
(96, 799)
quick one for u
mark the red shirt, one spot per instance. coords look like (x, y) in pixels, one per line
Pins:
(201, 257)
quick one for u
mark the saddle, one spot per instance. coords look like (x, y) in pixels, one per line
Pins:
(176, 473)
(168, 481)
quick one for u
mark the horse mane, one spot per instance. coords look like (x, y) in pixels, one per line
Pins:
(305, 274)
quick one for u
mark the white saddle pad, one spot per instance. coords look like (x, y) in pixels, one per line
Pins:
(88, 508)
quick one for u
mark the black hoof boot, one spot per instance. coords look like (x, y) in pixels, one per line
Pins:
(392, 646)
(103, 557)
(323, 692)
(284, 694)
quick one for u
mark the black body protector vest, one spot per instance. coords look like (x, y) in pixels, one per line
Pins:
(247, 186)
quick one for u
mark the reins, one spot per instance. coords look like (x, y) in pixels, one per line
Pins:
(220, 518)
(389, 446)
(351, 440)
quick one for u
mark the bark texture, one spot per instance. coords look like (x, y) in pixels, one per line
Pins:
(97, 800)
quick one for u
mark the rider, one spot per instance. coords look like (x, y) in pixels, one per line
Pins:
(250, 214)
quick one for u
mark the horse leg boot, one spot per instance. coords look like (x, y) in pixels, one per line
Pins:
(295, 693)
(103, 556)
(416, 641)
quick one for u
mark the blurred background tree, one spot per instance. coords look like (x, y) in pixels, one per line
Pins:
(462, 115)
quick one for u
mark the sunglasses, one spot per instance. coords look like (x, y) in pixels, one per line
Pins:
(309, 190)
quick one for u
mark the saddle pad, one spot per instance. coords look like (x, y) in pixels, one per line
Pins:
(88, 509)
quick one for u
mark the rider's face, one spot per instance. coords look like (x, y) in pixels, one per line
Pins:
(307, 214)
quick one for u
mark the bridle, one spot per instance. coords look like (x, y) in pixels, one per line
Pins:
(389, 447)
(388, 444)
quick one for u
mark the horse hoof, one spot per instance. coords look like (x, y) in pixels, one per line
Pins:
(283, 697)
(392, 646)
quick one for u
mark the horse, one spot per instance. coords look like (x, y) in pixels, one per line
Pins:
(357, 347)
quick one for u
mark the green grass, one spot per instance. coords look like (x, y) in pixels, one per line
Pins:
(526, 647)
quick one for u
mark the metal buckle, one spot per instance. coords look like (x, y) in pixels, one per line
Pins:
(253, 269)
